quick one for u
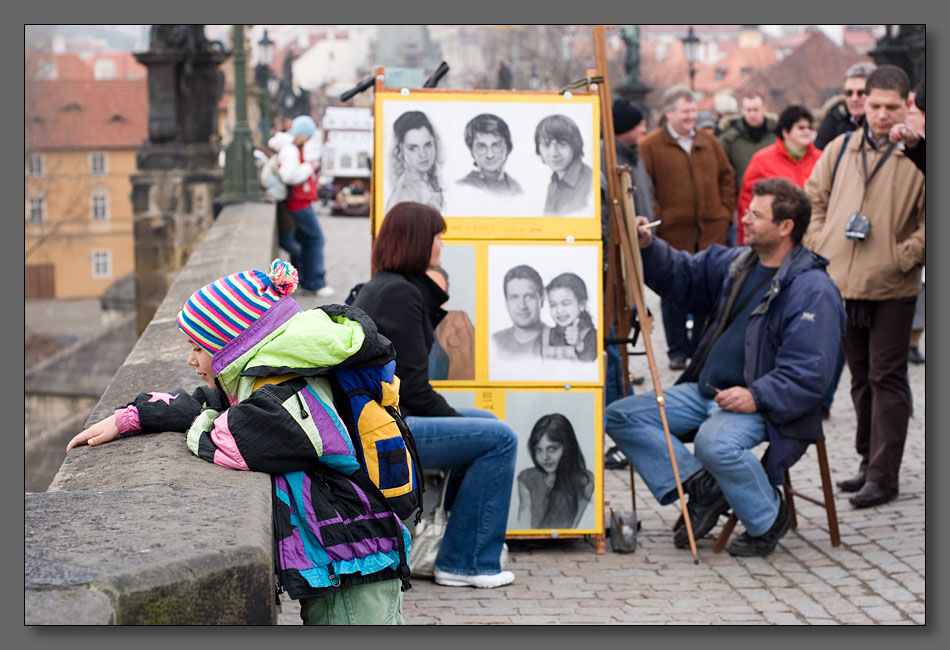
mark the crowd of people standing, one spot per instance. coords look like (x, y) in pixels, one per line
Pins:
(835, 211)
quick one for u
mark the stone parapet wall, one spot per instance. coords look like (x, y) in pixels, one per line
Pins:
(141, 531)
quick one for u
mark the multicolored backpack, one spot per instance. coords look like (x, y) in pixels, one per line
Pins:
(367, 400)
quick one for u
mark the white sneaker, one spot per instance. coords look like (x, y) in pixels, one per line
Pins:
(325, 292)
(480, 581)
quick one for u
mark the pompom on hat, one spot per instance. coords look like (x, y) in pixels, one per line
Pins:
(218, 312)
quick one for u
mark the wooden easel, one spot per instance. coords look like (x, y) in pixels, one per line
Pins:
(624, 289)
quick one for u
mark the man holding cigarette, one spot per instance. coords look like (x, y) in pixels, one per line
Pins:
(760, 371)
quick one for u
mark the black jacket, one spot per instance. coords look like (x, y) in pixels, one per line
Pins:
(837, 121)
(406, 310)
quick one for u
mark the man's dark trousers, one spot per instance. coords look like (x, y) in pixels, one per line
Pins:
(877, 359)
(678, 338)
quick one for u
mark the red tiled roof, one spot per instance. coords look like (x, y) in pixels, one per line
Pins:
(790, 40)
(68, 66)
(86, 114)
(750, 58)
(808, 75)
(858, 37)
(673, 69)
(126, 66)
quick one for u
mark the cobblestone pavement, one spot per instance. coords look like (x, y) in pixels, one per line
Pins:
(876, 575)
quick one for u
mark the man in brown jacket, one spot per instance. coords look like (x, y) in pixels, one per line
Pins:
(868, 220)
(694, 195)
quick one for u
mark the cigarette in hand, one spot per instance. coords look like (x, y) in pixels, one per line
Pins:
(652, 224)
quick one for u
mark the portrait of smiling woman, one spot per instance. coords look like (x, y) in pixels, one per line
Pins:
(414, 161)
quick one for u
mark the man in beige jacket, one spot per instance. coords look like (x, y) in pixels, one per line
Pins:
(868, 208)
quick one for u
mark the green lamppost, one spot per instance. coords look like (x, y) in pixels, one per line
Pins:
(240, 172)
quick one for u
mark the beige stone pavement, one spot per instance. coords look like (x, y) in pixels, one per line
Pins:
(876, 575)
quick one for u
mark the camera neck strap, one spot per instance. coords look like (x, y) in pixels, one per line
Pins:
(880, 161)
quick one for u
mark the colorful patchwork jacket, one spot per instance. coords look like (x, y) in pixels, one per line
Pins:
(274, 413)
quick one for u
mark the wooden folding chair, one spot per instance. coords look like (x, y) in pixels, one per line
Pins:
(790, 493)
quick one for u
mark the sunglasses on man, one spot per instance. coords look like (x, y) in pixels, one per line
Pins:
(861, 93)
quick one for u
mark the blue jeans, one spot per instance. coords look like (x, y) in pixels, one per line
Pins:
(723, 445)
(285, 233)
(308, 234)
(485, 447)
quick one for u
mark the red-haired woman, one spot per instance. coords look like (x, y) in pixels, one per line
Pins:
(405, 304)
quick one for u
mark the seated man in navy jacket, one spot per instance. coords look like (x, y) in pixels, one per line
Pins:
(765, 358)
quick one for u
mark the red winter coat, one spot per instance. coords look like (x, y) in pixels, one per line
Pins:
(773, 160)
(298, 175)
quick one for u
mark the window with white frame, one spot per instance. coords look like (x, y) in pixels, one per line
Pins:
(104, 69)
(100, 206)
(47, 71)
(34, 164)
(102, 263)
(36, 209)
(97, 164)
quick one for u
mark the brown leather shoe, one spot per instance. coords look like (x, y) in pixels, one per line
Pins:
(854, 483)
(872, 494)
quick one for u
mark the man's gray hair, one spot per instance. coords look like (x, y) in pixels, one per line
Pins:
(675, 93)
(861, 70)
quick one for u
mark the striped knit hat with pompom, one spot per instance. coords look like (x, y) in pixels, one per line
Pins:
(218, 312)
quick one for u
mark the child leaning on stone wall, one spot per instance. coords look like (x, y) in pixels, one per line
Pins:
(266, 407)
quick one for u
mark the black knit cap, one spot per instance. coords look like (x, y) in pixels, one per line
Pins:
(626, 116)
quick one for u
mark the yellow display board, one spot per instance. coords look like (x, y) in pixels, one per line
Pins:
(558, 481)
(521, 313)
(496, 165)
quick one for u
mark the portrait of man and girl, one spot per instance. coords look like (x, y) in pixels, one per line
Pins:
(543, 312)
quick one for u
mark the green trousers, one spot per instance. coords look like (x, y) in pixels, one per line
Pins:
(376, 603)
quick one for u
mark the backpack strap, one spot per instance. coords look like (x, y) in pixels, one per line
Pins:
(341, 401)
(407, 439)
(844, 145)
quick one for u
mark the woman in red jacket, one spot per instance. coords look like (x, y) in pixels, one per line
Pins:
(792, 156)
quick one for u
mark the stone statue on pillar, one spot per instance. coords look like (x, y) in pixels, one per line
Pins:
(632, 87)
(178, 175)
(905, 47)
(631, 56)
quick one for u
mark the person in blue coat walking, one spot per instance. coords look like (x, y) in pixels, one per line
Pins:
(764, 360)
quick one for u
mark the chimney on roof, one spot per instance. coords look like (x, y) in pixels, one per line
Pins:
(750, 36)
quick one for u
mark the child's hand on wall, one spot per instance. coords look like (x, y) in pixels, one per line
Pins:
(102, 431)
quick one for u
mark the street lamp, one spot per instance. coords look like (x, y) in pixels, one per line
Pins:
(534, 81)
(691, 51)
(240, 172)
(265, 50)
(267, 82)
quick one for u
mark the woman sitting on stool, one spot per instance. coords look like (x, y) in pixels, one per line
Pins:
(405, 304)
